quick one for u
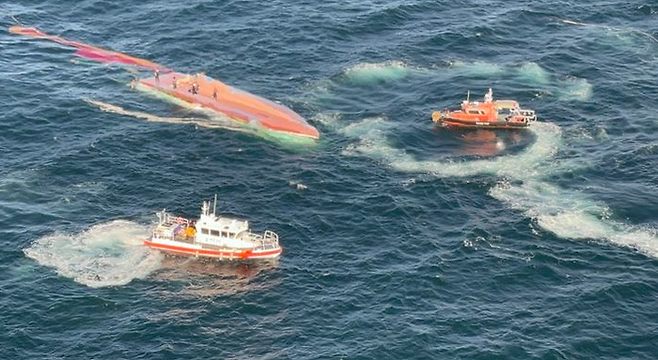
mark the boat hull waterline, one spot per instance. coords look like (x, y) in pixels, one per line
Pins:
(177, 249)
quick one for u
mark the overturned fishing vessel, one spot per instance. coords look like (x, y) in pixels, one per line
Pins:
(488, 114)
(212, 236)
(249, 112)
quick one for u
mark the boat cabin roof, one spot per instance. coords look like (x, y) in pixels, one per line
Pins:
(506, 104)
(224, 224)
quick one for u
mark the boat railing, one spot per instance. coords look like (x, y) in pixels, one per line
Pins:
(165, 234)
(167, 219)
(271, 236)
(529, 115)
(269, 240)
(169, 226)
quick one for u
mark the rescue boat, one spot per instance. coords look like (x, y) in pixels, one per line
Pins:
(212, 236)
(488, 114)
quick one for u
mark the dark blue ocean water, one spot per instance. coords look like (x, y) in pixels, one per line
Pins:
(401, 241)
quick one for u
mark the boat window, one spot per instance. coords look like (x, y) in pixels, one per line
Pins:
(204, 231)
(475, 112)
(214, 232)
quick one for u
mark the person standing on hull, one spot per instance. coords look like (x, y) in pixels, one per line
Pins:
(195, 85)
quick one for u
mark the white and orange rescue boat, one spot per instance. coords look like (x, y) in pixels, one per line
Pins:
(212, 236)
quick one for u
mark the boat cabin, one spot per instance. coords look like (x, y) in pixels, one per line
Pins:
(222, 227)
(221, 231)
(486, 111)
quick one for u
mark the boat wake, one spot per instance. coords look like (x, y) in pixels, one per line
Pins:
(570, 214)
(524, 184)
(371, 135)
(214, 122)
(108, 254)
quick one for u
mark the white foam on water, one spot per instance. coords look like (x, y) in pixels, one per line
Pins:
(108, 254)
(566, 213)
(373, 143)
(328, 119)
(215, 121)
(369, 128)
(534, 74)
(582, 133)
(478, 68)
(371, 134)
(574, 89)
(572, 215)
(526, 163)
(570, 88)
(366, 73)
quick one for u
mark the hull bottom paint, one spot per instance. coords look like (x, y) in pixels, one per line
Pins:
(279, 137)
(200, 91)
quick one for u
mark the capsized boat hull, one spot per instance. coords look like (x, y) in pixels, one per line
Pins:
(186, 249)
(261, 116)
(88, 51)
(245, 109)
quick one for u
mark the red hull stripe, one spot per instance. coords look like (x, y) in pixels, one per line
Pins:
(248, 254)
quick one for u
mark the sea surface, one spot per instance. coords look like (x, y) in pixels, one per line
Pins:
(401, 240)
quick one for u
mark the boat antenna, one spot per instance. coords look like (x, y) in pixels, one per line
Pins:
(214, 207)
(468, 95)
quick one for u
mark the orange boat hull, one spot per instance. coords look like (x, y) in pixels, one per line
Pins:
(247, 109)
(446, 120)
